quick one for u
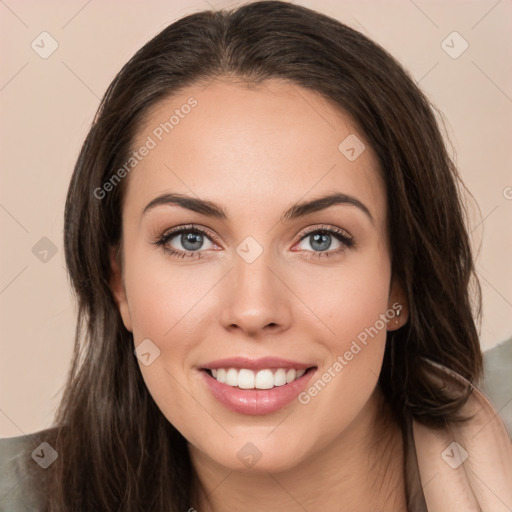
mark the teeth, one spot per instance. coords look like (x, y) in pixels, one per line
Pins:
(262, 379)
(221, 375)
(245, 379)
(232, 377)
(280, 377)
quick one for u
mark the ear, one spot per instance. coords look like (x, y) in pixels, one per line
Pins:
(118, 289)
(399, 304)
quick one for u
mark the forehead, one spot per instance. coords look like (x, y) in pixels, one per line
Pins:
(252, 148)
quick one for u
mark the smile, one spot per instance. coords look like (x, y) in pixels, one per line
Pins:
(263, 379)
(256, 387)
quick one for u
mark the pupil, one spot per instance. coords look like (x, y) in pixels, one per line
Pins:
(194, 239)
(325, 241)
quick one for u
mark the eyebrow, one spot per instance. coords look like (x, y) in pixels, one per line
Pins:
(300, 209)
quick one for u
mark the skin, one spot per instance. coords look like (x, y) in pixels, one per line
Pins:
(256, 151)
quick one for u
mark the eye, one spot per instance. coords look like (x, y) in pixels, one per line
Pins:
(189, 239)
(321, 239)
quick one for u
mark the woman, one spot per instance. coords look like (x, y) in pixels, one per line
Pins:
(266, 238)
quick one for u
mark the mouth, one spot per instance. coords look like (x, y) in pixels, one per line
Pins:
(256, 387)
(266, 378)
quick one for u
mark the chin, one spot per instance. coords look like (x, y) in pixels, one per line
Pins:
(261, 454)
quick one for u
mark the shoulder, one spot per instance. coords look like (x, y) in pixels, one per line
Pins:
(497, 381)
(23, 461)
(468, 465)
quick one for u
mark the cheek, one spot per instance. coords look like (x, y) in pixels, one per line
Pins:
(166, 312)
(351, 302)
(162, 301)
(352, 307)
(169, 308)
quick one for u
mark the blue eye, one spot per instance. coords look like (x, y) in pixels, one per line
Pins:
(320, 240)
(192, 240)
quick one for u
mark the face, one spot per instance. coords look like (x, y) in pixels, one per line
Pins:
(262, 325)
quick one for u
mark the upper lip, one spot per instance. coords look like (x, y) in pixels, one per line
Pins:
(255, 364)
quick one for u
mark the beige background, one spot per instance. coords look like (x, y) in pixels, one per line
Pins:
(48, 104)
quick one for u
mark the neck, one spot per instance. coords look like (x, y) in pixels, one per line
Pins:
(361, 470)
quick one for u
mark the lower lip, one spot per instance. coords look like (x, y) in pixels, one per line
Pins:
(256, 401)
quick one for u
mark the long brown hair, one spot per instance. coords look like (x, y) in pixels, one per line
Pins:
(116, 449)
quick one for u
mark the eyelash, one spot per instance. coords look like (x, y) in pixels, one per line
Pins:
(341, 235)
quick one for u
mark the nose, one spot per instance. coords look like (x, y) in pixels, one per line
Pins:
(256, 299)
